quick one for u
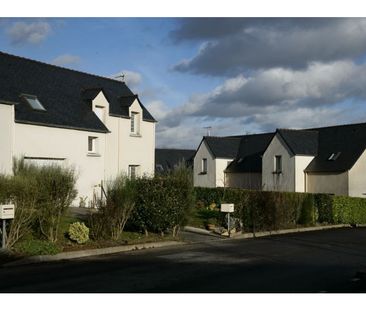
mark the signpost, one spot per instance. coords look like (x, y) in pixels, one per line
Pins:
(6, 212)
(227, 208)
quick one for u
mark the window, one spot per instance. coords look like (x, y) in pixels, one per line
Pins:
(134, 123)
(34, 102)
(278, 164)
(133, 171)
(204, 166)
(99, 111)
(334, 156)
(92, 144)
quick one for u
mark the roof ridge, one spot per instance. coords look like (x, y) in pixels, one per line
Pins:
(297, 130)
(339, 125)
(60, 67)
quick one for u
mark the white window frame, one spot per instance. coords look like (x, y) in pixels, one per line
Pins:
(135, 124)
(93, 142)
(133, 171)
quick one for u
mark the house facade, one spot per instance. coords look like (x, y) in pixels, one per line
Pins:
(53, 115)
(321, 160)
(212, 157)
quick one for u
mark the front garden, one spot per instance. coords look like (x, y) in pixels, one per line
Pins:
(150, 209)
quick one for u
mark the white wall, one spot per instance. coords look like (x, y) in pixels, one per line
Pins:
(124, 149)
(278, 182)
(204, 180)
(301, 162)
(357, 178)
(251, 181)
(50, 142)
(6, 138)
(116, 150)
(333, 183)
(221, 165)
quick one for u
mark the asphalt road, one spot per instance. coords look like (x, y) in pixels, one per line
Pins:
(322, 261)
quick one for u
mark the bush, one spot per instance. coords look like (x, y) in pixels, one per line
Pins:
(45, 193)
(37, 247)
(78, 232)
(112, 216)
(164, 202)
(349, 210)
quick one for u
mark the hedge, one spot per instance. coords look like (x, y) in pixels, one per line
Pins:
(266, 210)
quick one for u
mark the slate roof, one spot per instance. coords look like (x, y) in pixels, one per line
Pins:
(347, 140)
(66, 94)
(167, 159)
(300, 142)
(223, 147)
(249, 156)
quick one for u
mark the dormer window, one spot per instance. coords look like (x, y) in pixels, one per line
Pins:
(34, 102)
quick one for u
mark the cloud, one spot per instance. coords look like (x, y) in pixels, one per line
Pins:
(233, 46)
(66, 59)
(21, 33)
(132, 78)
(268, 99)
(318, 85)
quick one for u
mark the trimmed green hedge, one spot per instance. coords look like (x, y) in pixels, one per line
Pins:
(265, 210)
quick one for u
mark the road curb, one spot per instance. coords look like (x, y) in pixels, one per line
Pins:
(200, 231)
(286, 231)
(90, 252)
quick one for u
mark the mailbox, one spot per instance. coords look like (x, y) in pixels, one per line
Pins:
(227, 208)
(7, 211)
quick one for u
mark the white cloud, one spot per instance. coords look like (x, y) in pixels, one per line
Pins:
(268, 99)
(133, 79)
(28, 33)
(66, 59)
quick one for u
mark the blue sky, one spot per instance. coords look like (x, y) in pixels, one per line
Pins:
(242, 75)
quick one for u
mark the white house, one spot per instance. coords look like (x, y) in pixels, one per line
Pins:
(212, 158)
(320, 160)
(50, 114)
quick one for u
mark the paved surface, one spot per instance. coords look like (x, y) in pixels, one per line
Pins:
(323, 261)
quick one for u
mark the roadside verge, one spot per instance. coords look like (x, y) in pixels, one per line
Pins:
(90, 252)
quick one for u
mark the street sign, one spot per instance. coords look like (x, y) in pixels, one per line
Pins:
(7, 211)
(227, 208)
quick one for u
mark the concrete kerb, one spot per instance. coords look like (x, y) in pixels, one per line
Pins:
(286, 231)
(90, 252)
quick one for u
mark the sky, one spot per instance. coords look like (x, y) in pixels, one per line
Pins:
(235, 75)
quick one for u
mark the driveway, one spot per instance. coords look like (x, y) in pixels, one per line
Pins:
(321, 261)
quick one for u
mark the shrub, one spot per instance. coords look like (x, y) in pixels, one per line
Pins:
(78, 232)
(112, 216)
(55, 193)
(349, 210)
(164, 202)
(34, 247)
(263, 210)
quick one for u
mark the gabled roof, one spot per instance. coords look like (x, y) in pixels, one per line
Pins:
(66, 94)
(249, 157)
(223, 147)
(348, 142)
(300, 142)
(167, 159)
